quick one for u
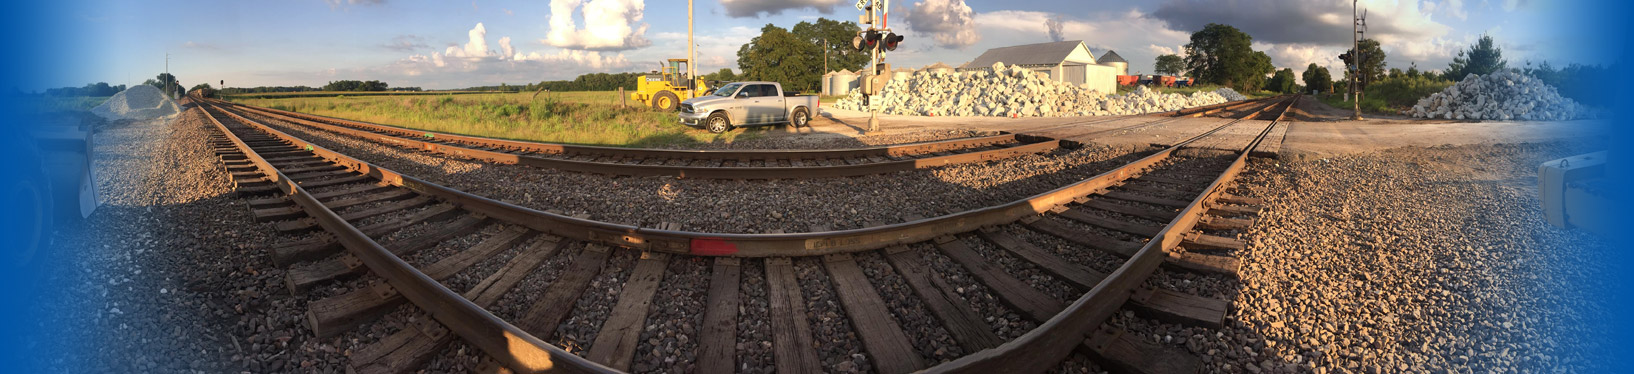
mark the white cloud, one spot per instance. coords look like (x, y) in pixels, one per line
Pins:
(336, 4)
(950, 22)
(609, 25)
(1159, 50)
(505, 48)
(476, 63)
(594, 60)
(756, 8)
(715, 51)
(475, 48)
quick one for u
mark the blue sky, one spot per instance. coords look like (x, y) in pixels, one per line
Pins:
(438, 44)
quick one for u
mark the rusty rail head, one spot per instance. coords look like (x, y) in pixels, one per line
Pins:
(506, 343)
(523, 352)
(558, 148)
(746, 245)
(1039, 145)
(1045, 346)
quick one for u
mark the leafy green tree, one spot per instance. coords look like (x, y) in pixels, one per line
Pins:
(1282, 82)
(1223, 55)
(161, 80)
(1317, 78)
(837, 36)
(778, 55)
(1412, 71)
(795, 57)
(724, 75)
(1170, 65)
(1371, 62)
(1484, 57)
(352, 85)
(204, 89)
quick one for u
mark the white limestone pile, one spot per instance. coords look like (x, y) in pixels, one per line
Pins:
(1230, 94)
(1014, 92)
(1504, 95)
(140, 102)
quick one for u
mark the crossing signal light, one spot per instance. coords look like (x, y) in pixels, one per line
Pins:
(871, 38)
(891, 40)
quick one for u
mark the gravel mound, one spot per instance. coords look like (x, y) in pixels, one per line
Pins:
(1014, 92)
(140, 102)
(1504, 95)
(1230, 94)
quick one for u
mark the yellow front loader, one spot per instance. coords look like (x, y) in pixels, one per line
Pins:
(664, 90)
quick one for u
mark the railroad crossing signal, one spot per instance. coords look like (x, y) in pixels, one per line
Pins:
(891, 41)
(866, 40)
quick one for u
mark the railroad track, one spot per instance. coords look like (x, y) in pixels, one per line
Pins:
(747, 164)
(459, 261)
(1234, 107)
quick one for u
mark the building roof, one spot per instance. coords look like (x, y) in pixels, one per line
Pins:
(1030, 54)
(1111, 57)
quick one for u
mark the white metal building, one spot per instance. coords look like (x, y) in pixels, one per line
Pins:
(1068, 61)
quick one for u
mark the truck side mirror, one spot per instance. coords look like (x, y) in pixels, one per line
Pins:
(743, 95)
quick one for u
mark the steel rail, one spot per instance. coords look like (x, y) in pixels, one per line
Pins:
(1169, 117)
(746, 245)
(1045, 346)
(503, 341)
(700, 171)
(621, 152)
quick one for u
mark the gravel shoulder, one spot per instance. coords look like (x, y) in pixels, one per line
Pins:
(1433, 259)
(170, 273)
(1412, 259)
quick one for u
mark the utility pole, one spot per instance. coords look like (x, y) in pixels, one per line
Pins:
(167, 76)
(876, 39)
(692, 57)
(1355, 62)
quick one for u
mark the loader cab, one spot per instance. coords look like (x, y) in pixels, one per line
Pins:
(675, 72)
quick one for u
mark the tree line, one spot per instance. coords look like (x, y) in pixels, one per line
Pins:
(1222, 55)
(93, 89)
(586, 82)
(795, 57)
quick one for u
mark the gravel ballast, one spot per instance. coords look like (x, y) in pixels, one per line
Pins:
(1413, 259)
(732, 206)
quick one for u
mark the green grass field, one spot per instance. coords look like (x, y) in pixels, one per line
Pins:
(280, 95)
(592, 118)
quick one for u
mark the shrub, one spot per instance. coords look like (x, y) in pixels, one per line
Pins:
(1403, 91)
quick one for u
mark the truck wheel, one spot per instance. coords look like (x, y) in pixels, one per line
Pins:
(26, 203)
(718, 123)
(801, 118)
(665, 101)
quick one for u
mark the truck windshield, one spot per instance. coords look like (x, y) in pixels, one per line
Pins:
(727, 90)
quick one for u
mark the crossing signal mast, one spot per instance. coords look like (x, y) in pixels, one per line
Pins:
(877, 39)
(1358, 26)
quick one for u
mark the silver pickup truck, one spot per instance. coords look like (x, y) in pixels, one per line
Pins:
(748, 104)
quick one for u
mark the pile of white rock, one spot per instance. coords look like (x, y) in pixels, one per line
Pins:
(1230, 94)
(1504, 95)
(139, 102)
(1016, 92)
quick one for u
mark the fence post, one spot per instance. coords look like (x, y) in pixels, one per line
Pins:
(621, 97)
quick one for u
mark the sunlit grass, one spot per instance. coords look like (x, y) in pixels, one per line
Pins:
(594, 118)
